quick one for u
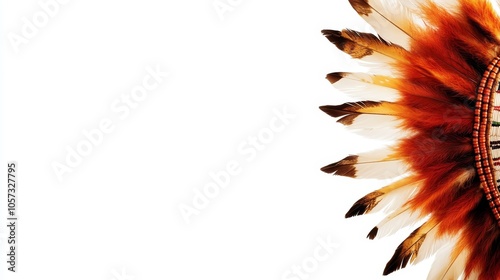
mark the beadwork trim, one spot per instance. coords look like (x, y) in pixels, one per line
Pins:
(488, 166)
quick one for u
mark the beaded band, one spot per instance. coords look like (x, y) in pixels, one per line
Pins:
(486, 136)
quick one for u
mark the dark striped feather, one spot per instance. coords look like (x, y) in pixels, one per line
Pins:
(360, 44)
(408, 250)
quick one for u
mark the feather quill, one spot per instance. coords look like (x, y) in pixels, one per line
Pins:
(408, 251)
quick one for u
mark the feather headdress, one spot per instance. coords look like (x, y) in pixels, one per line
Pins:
(434, 71)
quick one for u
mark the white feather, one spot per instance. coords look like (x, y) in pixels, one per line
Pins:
(391, 20)
(378, 63)
(365, 89)
(379, 68)
(378, 164)
(447, 267)
(380, 127)
(376, 155)
(386, 134)
(396, 198)
(380, 170)
(431, 245)
(396, 221)
(414, 5)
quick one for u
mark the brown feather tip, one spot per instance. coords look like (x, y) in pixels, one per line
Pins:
(338, 111)
(373, 233)
(348, 120)
(404, 253)
(332, 35)
(335, 77)
(346, 45)
(361, 6)
(335, 110)
(348, 111)
(347, 108)
(397, 262)
(344, 167)
(364, 204)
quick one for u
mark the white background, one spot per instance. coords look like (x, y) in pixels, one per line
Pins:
(116, 215)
